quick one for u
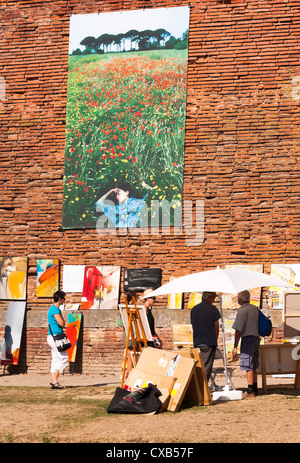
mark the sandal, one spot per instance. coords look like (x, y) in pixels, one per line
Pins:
(56, 386)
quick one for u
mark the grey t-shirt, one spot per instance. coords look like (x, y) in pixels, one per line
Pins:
(246, 320)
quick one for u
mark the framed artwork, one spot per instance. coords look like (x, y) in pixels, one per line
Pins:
(139, 279)
(13, 333)
(101, 287)
(13, 278)
(47, 277)
(125, 123)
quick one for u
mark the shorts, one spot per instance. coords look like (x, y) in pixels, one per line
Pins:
(249, 357)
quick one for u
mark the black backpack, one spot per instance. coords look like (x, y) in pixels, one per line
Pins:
(264, 324)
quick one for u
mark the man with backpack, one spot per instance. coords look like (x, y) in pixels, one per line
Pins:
(246, 329)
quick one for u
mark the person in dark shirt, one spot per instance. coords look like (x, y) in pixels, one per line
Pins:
(205, 322)
(148, 303)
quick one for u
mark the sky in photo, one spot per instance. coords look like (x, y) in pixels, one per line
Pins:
(175, 20)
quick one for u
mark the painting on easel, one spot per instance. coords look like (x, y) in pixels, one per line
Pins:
(142, 316)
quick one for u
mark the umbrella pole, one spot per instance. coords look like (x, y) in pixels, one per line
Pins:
(224, 345)
(226, 394)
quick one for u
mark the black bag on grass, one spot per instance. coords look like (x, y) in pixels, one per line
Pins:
(145, 400)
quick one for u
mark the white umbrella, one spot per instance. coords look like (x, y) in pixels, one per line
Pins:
(230, 281)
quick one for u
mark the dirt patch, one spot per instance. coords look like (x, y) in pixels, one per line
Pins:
(78, 415)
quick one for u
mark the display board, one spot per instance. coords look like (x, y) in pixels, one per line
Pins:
(278, 359)
(291, 314)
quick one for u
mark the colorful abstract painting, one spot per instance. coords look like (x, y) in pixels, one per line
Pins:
(175, 300)
(47, 277)
(72, 332)
(13, 333)
(101, 287)
(126, 109)
(13, 278)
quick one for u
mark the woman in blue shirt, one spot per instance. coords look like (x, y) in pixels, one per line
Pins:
(56, 322)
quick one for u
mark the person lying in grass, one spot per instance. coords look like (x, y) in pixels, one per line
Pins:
(122, 208)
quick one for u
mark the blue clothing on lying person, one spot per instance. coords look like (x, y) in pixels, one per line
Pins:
(126, 214)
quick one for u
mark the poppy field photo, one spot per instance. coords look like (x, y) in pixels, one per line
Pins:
(126, 106)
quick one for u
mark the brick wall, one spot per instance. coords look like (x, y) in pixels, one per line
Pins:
(241, 154)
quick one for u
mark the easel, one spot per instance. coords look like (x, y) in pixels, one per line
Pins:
(135, 332)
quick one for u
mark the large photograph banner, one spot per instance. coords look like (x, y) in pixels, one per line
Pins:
(125, 127)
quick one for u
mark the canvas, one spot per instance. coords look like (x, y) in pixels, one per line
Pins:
(143, 318)
(101, 287)
(175, 301)
(289, 273)
(72, 333)
(13, 278)
(47, 277)
(13, 333)
(125, 127)
(139, 279)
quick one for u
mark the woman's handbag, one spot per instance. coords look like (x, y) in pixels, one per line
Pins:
(61, 341)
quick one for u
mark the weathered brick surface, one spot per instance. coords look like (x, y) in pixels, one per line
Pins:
(241, 154)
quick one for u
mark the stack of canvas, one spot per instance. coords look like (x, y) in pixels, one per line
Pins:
(171, 372)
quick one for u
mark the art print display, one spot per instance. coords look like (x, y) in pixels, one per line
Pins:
(125, 125)
(194, 299)
(289, 273)
(101, 287)
(47, 277)
(230, 301)
(175, 301)
(13, 333)
(72, 333)
(13, 278)
(139, 279)
(73, 276)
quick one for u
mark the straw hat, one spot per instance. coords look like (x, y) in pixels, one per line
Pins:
(147, 291)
